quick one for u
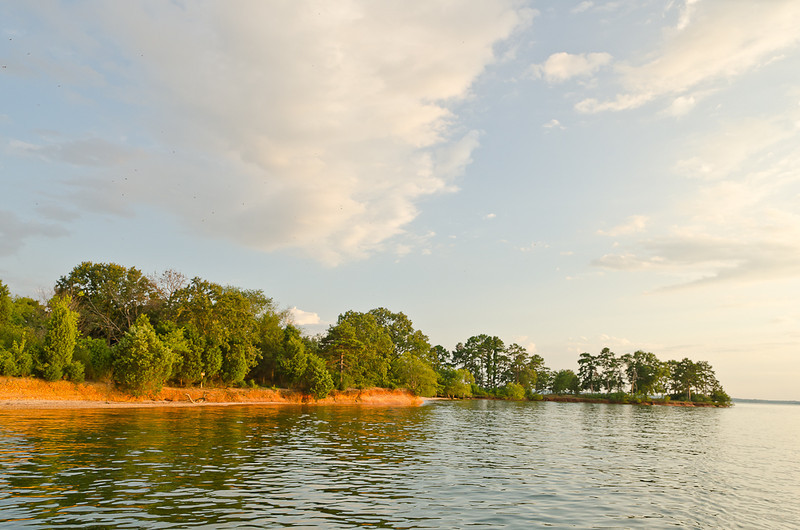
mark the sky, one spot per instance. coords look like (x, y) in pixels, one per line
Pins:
(564, 175)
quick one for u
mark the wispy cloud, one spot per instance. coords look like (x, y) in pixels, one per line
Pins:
(15, 231)
(553, 124)
(583, 6)
(740, 221)
(90, 152)
(562, 66)
(634, 224)
(713, 41)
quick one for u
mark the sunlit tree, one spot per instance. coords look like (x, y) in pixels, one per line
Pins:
(62, 335)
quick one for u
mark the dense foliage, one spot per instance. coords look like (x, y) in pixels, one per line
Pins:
(107, 322)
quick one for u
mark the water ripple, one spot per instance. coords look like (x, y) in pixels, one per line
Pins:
(477, 464)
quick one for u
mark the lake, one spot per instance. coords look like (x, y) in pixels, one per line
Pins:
(476, 464)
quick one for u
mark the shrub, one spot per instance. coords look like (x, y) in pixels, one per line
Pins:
(618, 397)
(95, 354)
(142, 363)
(533, 396)
(74, 372)
(455, 383)
(720, 396)
(417, 376)
(478, 392)
(513, 392)
(317, 378)
(7, 364)
(62, 334)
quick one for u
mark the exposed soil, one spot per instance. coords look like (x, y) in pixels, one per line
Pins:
(22, 392)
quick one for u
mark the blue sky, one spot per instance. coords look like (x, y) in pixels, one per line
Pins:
(565, 175)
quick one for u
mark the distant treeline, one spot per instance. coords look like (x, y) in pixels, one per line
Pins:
(107, 322)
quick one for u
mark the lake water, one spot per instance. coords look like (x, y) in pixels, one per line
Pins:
(476, 464)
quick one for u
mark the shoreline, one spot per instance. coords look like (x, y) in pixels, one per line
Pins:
(18, 393)
(651, 403)
(31, 394)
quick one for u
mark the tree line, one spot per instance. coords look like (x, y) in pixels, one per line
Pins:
(107, 322)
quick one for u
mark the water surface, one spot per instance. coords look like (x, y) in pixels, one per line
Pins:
(476, 464)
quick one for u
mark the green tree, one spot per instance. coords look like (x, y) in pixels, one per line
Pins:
(187, 350)
(610, 370)
(467, 357)
(565, 381)
(644, 372)
(20, 337)
(358, 350)
(417, 376)
(95, 355)
(693, 380)
(588, 372)
(683, 374)
(109, 297)
(142, 363)
(456, 383)
(294, 361)
(16, 361)
(5, 304)
(317, 380)
(544, 376)
(484, 357)
(405, 339)
(440, 358)
(62, 335)
(28, 323)
(304, 369)
(229, 321)
(718, 395)
(270, 341)
(513, 392)
(523, 368)
(7, 365)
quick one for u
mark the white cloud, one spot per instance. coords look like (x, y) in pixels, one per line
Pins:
(685, 15)
(682, 105)
(305, 125)
(583, 6)
(304, 318)
(553, 124)
(562, 66)
(634, 224)
(712, 42)
(490, 216)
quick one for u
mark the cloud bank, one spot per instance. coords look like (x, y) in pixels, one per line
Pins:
(312, 126)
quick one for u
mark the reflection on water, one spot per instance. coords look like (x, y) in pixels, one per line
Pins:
(443, 465)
